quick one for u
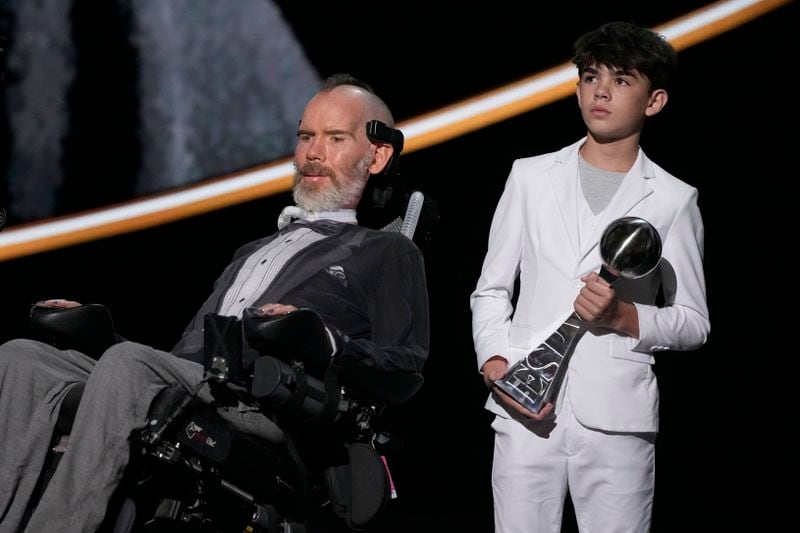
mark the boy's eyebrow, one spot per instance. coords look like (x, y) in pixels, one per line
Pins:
(617, 71)
(624, 71)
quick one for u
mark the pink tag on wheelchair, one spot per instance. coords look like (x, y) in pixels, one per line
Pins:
(392, 491)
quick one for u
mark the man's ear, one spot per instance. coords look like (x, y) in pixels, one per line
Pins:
(658, 99)
(383, 153)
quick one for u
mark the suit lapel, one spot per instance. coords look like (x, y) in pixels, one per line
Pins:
(332, 249)
(564, 181)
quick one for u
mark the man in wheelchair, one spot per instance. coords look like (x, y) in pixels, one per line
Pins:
(316, 326)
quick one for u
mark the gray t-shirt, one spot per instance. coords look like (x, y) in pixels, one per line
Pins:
(599, 186)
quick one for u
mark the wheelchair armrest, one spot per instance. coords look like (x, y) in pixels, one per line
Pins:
(88, 328)
(274, 381)
(299, 335)
(390, 388)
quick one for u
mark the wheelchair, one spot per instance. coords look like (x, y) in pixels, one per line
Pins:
(191, 471)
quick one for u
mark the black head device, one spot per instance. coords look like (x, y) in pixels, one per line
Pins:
(378, 132)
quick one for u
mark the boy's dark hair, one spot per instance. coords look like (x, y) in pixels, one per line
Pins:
(336, 80)
(629, 47)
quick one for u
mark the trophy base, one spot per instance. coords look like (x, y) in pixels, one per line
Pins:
(532, 403)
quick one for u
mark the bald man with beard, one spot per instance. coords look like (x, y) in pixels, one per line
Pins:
(367, 285)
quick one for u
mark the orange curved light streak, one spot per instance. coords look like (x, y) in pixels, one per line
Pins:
(421, 132)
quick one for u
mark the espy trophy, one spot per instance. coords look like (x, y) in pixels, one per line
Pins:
(630, 248)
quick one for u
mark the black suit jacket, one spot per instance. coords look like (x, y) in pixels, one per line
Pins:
(369, 284)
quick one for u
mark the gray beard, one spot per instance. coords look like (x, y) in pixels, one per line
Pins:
(329, 199)
(341, 193)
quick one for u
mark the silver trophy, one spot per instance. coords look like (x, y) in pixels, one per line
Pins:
(630, 248)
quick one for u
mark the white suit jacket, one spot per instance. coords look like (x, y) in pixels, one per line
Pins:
(535, 237)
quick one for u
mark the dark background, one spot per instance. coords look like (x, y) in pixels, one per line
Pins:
(723, 450)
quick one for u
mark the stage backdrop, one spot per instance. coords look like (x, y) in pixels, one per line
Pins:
(723, 451)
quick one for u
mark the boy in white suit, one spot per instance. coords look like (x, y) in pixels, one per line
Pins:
(597, 438)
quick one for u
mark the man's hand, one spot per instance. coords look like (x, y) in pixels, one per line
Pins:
(58, 304)
(276, 309)
(494, 369)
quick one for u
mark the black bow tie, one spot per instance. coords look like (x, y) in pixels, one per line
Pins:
(323, 226)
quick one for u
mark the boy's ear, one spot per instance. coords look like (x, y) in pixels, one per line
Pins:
(658, 99)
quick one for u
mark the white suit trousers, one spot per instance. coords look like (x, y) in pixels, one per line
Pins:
(610, 476)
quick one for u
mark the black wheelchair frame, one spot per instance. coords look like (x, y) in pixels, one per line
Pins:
(190, 471)
(178, 481)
